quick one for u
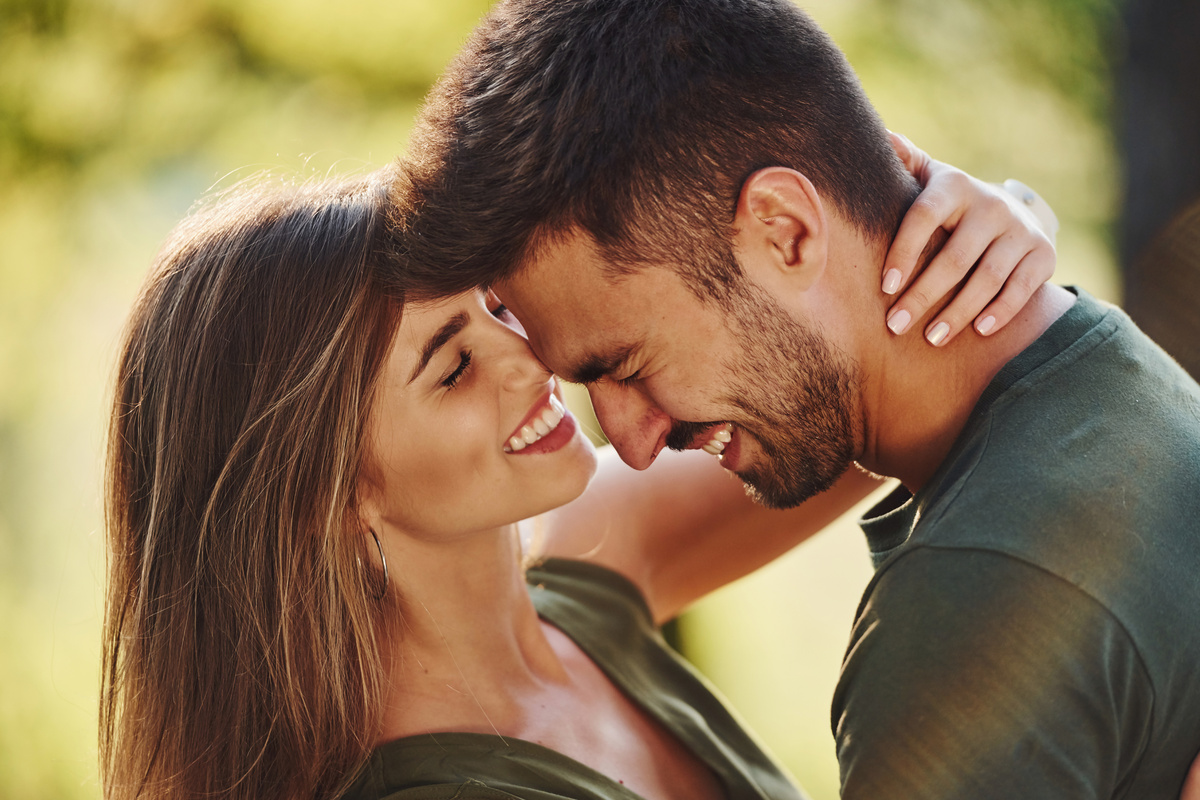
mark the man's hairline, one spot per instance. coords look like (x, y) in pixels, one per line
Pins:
(548, 232)
(551, 231)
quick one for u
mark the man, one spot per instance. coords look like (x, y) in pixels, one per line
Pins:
(688, 204)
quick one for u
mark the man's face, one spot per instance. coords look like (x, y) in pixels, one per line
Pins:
(667, 369)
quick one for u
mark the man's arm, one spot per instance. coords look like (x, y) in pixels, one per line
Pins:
(973, 674)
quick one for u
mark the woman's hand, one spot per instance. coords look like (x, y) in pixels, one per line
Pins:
(992, 232)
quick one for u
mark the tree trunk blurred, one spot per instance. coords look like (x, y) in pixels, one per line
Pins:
(1158, 129)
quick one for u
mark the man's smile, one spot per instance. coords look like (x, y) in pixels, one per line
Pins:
(719, 437)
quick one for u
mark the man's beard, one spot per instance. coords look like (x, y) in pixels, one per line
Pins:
(796, 396)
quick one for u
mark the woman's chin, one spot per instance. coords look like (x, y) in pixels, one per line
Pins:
(574, 472)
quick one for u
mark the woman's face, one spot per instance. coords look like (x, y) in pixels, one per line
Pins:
(468, 430)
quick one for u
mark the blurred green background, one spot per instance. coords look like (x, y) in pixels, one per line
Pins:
(115, 115)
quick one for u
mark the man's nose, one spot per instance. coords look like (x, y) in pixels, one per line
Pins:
(631, 420)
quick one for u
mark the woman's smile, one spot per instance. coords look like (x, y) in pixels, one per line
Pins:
(546, 428)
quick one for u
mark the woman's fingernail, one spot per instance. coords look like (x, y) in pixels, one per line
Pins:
(891, 281)
(985, 325)
(898, 322)
(938, 333)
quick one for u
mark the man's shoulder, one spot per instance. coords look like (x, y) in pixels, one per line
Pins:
(1092, 475)
(1053, 558)
(966, 663)
(1101, 442)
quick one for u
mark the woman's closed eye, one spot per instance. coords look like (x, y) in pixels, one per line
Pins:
(500, 312)
(464, 363)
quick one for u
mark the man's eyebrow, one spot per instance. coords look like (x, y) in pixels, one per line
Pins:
(438, 341)
(599, 365)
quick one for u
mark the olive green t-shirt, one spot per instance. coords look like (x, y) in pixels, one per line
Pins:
(608, 618)
(1032, 629)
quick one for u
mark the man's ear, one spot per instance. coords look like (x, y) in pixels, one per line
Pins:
(781, 231)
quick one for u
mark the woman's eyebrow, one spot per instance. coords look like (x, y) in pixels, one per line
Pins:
(438, 341)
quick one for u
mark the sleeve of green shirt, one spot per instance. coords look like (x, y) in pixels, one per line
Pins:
(972, 674)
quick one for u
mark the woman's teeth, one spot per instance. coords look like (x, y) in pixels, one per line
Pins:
(721, 437)
(537, 427)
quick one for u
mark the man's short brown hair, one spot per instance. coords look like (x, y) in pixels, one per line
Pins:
(636, 121)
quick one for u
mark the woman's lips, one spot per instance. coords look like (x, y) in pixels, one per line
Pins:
(555, 439)
(547, 427)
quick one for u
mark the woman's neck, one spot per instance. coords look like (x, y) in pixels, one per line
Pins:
(471, 656)
(468, 643)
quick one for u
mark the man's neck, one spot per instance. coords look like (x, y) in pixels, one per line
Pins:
(917, 398)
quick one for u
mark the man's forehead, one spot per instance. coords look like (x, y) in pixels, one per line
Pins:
(560, 265)
(580, 335)
(580, 353)
(565, 282)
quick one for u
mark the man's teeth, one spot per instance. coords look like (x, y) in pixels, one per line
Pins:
(537, 427)
(721, 437)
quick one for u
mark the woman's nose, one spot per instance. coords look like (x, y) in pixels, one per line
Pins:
(521, 366)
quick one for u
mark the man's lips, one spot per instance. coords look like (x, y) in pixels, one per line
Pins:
(729, 456)
(709, 436)
(690, 435)
(719, 439)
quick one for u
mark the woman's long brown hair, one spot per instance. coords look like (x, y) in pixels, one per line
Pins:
(242, 654)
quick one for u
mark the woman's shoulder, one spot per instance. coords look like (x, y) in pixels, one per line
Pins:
(444, 791)
(576, 576)
(472, 766)
(567, 589)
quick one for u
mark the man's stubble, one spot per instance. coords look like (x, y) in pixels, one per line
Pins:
(796, 395)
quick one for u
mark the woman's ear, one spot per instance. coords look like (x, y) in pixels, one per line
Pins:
(370, 516)
(368, 498)
(781, 232)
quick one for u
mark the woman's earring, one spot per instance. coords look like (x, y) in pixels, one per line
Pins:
(383, 560)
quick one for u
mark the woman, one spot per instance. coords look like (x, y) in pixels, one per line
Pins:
(315, 583)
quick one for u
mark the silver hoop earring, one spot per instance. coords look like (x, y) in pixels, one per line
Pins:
(383, 560)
